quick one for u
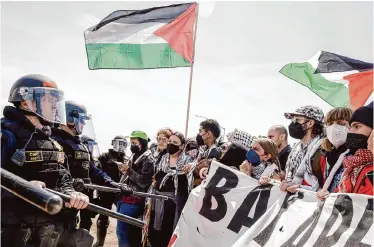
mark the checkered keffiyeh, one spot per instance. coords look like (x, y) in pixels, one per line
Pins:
(241, 137)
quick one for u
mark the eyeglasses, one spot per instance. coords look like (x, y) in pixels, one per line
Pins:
(162, 139)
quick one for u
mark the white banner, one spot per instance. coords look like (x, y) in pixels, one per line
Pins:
(232, 209)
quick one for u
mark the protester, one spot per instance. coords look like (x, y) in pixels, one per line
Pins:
(279, 135)
(207, 137)
(163, 136)
(192, 149)
(261, 160)
(370, 142)
(172, 182)
(303, 164)
(358, 168)
(333, 148)
(137, 176)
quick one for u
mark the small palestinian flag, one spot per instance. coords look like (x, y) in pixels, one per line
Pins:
(339, 80)
(160, 37)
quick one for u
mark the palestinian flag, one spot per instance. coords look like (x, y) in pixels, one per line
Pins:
(160, 37)
(339, 80)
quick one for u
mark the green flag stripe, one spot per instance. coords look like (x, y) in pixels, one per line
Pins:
(133, 56)
(335, 94)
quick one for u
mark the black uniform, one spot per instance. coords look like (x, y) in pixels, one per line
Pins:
(81, 166)
(44, 162)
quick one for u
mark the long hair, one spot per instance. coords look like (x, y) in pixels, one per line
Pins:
(270, 147)
(335, 115)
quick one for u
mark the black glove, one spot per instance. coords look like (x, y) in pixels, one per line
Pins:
(78, 184)
(126, 191)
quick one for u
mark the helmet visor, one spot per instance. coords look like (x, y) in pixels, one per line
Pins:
(47, 103)
(88, 129)
(119, 145)
(93, 147)
(80, 120)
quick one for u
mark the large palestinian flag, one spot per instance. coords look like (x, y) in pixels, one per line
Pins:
(160, 37)
(339, 80)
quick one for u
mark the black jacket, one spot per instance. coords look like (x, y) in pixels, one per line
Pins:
(141, 172)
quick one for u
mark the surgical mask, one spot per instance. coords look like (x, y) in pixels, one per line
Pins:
(252, 157)
(172, 149)
(337, 134)
(356, 141)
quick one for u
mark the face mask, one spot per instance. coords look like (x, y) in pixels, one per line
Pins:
(172, 149)
(356, 141)
(134, 149)
(252, 157)
(337, 134)
(200, 140)
(297, 130)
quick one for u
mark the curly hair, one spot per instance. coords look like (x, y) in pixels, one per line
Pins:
(165, 131)
(212, 126)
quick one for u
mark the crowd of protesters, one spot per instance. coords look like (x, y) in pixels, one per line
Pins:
(334, 154)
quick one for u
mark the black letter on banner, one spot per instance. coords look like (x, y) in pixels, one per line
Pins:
(212, 190)
(362, 228)
(263, 237)
(343, 205)
(312, 219)
(241, 216)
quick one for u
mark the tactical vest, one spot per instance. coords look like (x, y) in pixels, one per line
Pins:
(78, 156)
(44, 156)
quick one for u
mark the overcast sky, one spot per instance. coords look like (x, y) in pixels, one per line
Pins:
(240, 48)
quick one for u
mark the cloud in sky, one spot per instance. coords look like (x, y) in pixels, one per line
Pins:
(241, 47)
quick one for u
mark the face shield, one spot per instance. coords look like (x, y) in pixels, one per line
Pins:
(93, 147)
(47, 103)
(88, 129)
(119, 145)
(80, 120)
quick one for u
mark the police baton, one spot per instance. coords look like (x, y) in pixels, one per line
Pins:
(104, 211)
(122, 190)
(31, 193)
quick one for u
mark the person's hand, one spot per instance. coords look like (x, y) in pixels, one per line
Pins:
(123, 168)
(264, 180)
(282, 175)
(40, 184)
(187, 168)
(78, 184)
(322, 194)
(293, 188)
(283, 186)
(370, 142)
(202, 163)
(246, 167)
(203, 172)
(77, 200)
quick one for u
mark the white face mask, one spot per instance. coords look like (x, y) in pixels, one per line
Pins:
(337, 134)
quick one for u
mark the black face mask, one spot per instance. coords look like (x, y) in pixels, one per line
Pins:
(134, 149)
(172, 149)
(200, 140)
(296, 130)
(356, 141)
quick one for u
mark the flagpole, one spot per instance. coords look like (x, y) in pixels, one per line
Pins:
(191, 73)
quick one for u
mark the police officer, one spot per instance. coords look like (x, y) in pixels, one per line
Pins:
(108, 163)
(29, 152)
(79, 162)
